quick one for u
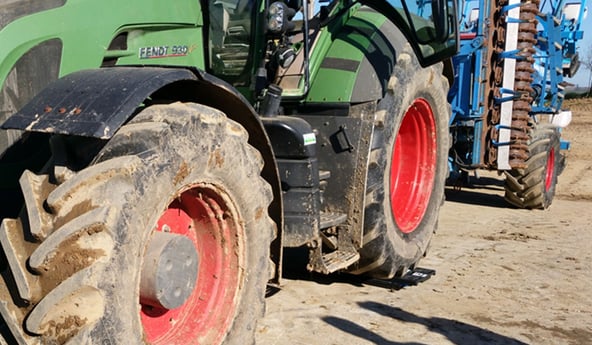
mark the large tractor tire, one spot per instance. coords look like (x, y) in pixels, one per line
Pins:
(534, 186)
(163, 239)
(407, 169)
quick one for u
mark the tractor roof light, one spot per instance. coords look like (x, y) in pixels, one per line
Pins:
(279, 17)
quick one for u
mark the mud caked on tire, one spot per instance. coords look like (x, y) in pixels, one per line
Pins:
(163, 239)
(407, 169)
(534, 186)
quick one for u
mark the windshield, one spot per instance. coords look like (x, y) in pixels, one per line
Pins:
(229, 38)
(430, 25)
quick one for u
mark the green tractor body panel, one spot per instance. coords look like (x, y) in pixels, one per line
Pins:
(42, 41)
(86, 29)
(343, 63)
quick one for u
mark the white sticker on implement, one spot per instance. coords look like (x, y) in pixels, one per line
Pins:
(309, 139)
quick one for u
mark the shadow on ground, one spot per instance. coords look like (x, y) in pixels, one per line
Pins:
(483, 191)
(455, 331)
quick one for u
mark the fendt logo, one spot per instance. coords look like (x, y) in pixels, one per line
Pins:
(157, 52)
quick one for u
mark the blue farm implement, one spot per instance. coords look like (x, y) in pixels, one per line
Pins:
(508, 92)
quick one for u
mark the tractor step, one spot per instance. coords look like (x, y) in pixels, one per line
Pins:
(411, 278)
(334, 261)
(329, 220)
(342, 252)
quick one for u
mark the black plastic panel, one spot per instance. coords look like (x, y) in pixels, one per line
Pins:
(298, 173)
(290, 137)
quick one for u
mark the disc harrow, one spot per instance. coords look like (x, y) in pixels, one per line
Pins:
(510, 88)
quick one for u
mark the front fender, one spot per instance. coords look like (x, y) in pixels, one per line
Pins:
(93, 103)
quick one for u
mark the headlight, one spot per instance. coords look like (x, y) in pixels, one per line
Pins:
(278, 17)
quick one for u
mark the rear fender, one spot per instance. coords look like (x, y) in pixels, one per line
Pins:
(360, 60)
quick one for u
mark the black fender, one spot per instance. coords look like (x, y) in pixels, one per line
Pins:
(97, 102)
(93, 103)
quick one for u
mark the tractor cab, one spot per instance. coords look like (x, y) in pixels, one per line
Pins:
(230, 28)
(255, 44)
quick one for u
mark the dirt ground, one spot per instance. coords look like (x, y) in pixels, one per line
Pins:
(504, 276)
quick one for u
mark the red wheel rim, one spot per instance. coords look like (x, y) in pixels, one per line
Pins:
(413, 166)
(204, 214)
(550, 169)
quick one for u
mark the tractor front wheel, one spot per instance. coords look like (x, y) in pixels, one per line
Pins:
(163, 239)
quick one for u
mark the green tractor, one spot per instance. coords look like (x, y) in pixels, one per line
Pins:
(156, 157)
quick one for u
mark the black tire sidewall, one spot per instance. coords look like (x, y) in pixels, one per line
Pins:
(388, 251)
(415, 87)
(153, 182)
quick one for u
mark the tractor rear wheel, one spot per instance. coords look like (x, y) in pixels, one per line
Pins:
(163, 239)
(407, 169)
(534, 186)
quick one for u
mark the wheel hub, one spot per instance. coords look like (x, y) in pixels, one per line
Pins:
(169, 272)
(192, 272)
